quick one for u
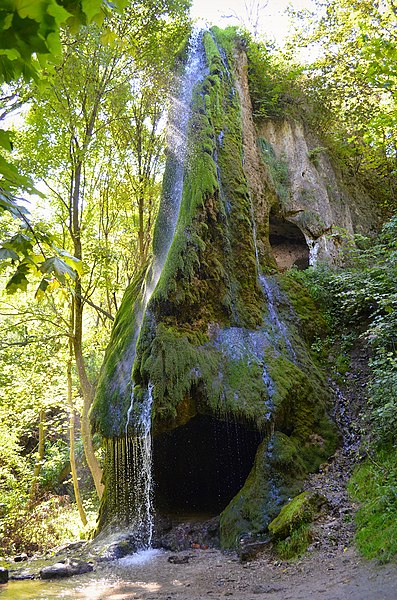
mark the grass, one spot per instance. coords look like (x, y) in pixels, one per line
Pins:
(374, 486)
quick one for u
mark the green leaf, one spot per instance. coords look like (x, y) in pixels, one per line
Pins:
(7, 253)
(91, 8)
(5, 139)
(18, 281)
(41, 290)
(71, 260)
(58, 12)
(20, 243)
(59, 267)
(34, 9)
(10, 204)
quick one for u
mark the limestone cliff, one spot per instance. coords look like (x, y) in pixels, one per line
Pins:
(238, 408)
(299, 194)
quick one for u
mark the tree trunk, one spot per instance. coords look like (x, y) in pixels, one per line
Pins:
(40, 457)
(87, 389)
(72, 458)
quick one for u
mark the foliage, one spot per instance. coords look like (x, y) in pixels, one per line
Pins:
(42, 526)
(374, 486)
(272, 79)
(360, 301)
(92, 135)
(350, 84)
(31, 39)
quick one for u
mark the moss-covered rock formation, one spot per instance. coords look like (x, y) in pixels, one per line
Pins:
(219, 340)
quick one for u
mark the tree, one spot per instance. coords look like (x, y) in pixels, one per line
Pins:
(93, 137)
(355, 77)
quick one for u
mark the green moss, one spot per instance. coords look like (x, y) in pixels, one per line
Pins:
(373, 485)
(296, 544)
(310, 322)
(189, 376)
(277, 474)
(299, 408)
(291, 529)
(114, 388)
(299, 511)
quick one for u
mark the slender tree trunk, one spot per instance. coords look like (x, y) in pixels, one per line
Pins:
(141, 228)
(72, 457)
(87, 392)
(40, 457)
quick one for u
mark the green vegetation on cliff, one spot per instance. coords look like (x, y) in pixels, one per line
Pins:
(359, 304)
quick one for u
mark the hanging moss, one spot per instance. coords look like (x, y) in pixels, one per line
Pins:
(191, 376)
(114, 386)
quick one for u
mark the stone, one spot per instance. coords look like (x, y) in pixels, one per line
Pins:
(66, 568)
(250, 549)
(3, 575)
(301, 509)
(22, 576)
(179, 560)
(21, 557)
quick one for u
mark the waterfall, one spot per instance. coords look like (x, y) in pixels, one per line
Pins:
(275, 322)
(137, 458)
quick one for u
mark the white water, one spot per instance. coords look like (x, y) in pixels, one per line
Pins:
(177, 149)
(139, 558)
(139, 446)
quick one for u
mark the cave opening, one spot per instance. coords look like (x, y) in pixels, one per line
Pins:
(288, 243)
(199, 467)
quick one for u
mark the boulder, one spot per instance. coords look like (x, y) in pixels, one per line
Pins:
(21, 557)
(3, 575)
(66, 568)
(300, 510)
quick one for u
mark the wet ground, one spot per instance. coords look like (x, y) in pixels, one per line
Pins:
(212, 574)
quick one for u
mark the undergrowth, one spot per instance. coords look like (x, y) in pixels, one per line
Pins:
(360, 301)
(374, 486)
(39, 527)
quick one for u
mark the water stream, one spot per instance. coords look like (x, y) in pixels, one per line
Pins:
(138, 446)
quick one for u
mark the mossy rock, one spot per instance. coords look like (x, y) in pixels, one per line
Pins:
(311, 323)
(277, 473)
(207, 344)
(300, 510)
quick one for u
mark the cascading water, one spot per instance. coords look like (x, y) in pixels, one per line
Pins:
(137, 448)
(275, 321)
(139, 456)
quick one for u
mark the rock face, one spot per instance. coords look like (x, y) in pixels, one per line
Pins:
(303, 203)
(238, 409)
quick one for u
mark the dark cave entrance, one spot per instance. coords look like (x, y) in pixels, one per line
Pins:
(288, 243)
(199, 467)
